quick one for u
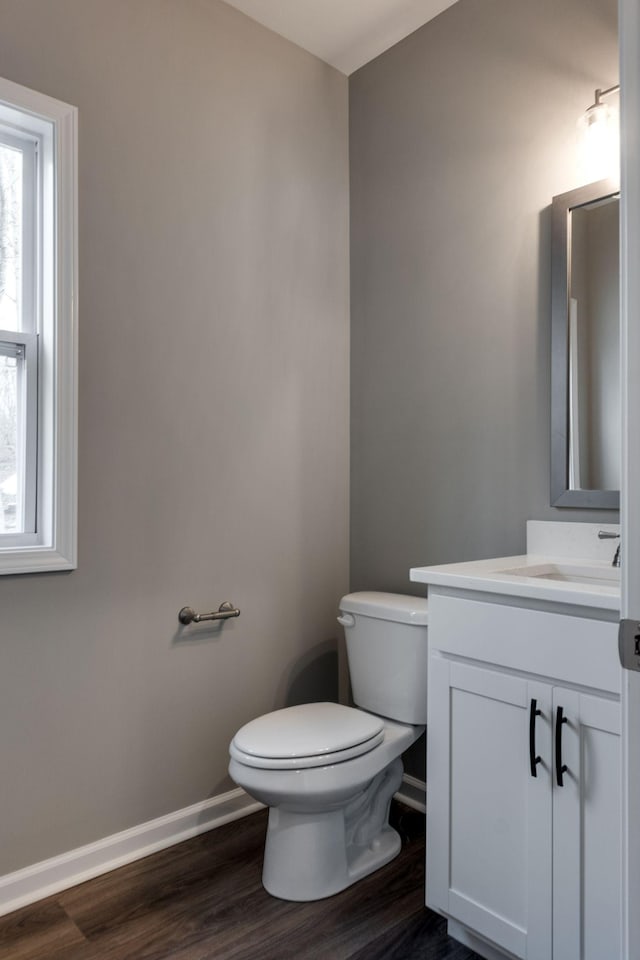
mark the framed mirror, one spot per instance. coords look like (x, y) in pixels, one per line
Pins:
(585, 347)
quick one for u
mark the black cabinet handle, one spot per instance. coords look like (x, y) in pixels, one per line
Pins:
(560, 766)
(533, 759)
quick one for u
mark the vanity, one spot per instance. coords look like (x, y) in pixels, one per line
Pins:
(523, 748)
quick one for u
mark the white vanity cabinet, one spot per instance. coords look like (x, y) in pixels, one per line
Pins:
(523, 854)
(586, 829)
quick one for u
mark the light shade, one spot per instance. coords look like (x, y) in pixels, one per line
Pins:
(599, 142)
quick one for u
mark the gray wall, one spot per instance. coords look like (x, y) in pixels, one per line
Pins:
(460, 136)
(213, 459)
(214, 367)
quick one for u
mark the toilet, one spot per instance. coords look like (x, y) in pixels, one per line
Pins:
(328, 772)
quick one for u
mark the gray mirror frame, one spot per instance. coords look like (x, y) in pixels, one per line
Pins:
(561, 495)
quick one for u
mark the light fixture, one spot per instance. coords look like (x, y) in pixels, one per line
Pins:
(600, 136)
(597, 106)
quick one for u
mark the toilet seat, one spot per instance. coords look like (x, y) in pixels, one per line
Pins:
(309, 735)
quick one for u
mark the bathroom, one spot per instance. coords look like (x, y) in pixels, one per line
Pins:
(314, 342)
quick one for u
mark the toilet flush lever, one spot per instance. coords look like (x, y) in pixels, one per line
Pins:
(187, 615)
(347, 620)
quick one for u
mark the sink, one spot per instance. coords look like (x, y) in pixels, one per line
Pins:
(564, 563)
(591, 574)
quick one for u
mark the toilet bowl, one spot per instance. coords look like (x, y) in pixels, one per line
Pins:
(328, 772)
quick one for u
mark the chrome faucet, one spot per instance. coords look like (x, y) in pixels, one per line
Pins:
(608, 535)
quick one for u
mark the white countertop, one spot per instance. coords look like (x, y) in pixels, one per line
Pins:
(528, 579)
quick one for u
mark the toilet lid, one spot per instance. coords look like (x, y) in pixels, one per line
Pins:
(311, 732)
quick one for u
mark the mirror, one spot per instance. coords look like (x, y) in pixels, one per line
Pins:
(585, 347)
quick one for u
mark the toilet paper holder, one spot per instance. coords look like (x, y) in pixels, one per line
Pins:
(225, 611)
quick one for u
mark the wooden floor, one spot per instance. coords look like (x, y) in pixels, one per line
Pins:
(203, 900)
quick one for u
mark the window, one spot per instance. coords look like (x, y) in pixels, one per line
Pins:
(38, 332)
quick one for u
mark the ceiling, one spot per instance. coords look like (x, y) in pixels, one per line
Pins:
(343, 33)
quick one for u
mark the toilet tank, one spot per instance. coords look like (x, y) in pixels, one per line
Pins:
(386, 637)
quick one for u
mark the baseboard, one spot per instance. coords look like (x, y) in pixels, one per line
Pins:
(68, 869)
(43, 879)
(412, 793)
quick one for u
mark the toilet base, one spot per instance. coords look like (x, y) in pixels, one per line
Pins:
(312, 855)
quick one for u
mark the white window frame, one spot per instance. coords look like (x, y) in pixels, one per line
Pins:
(23, 347)
(51, 543)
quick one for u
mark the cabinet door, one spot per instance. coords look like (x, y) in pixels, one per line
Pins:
(586, 827)
(488, 817)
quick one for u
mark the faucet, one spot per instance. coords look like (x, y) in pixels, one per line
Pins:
(609, 535)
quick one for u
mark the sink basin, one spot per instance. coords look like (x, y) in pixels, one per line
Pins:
(591, 574)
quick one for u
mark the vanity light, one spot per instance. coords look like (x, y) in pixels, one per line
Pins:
(600, 135)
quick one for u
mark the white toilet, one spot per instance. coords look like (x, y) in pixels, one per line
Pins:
(328, 772)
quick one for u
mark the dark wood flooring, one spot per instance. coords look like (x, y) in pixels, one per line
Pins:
(203, 900)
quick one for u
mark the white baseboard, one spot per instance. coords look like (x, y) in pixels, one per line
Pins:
(413, 793)
(59, 873)
(43, 879)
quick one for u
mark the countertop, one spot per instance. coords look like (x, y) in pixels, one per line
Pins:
(567, 580)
